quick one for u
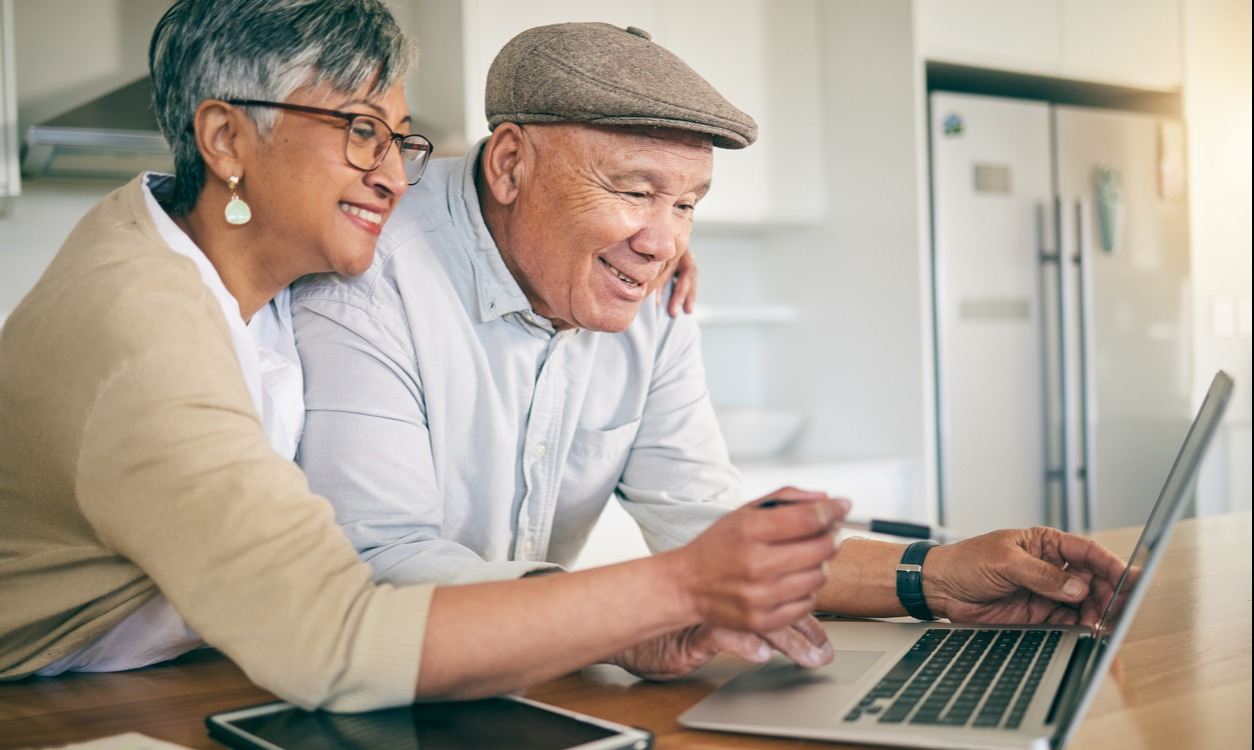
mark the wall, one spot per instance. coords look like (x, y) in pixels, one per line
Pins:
(68, 52)
(1218, 113)
(858, 357)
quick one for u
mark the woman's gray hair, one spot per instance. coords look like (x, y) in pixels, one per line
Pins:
(263, 49)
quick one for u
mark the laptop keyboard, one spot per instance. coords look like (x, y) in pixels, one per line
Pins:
(980, 678)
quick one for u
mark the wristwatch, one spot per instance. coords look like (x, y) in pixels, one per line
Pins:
(910, 580)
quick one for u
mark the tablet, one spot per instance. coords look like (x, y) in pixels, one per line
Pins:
(487, 724)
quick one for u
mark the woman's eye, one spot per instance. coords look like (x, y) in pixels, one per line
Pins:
(362, 130)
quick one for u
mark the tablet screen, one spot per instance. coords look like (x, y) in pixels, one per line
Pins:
(487, 724)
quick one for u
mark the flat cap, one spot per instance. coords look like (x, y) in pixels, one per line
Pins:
(602, 74)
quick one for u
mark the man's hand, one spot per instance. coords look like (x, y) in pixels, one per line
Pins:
(678, 654)
(1036, 575)
(684, 295)
(758, 569)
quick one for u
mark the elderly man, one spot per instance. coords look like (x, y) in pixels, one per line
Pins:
(478, 395)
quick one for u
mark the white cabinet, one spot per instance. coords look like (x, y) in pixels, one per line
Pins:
(778, 180)
(1125, 42)
(1017, 35)
(1137, 42)
(10, 179)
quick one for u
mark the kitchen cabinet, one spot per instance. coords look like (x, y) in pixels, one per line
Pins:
(10, 179)
(778, 180)
(1135, 43)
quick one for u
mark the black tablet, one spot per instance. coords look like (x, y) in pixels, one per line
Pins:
(488, 724)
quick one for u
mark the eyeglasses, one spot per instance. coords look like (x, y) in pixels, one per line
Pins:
(366, 138)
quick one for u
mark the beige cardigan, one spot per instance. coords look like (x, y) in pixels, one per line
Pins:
(132, 459)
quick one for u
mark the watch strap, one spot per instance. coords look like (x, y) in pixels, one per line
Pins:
(910, 580)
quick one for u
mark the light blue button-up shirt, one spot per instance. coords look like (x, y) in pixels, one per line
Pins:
(461, 438)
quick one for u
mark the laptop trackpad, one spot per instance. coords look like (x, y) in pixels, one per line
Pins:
(782, 674)
(849, 666)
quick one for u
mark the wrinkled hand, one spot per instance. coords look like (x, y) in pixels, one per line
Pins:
(684, 269)
(678, 654)
(758, 569)
(1036, 575)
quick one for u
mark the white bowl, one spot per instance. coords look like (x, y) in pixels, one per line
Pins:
(758, 434)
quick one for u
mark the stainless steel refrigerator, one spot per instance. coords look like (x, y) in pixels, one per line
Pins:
(1061, 272)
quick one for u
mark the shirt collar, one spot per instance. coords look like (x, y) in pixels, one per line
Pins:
(497, 291)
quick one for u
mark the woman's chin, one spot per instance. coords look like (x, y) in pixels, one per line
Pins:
(354, 265)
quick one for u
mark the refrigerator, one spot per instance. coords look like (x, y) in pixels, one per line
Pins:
(1061, 292)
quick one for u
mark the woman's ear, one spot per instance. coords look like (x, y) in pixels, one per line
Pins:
(504, 158)
(223, 137)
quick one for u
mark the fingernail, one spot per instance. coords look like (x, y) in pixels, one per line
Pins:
(827, 569)
(835, 540)
(845, 506)
(1073, 588)
(814, 656)
(763, 652)
(825, 518)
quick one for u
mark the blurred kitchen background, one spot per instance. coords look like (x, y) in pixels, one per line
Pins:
(947, 196)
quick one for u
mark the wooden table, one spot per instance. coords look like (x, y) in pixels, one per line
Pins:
(1183, 680)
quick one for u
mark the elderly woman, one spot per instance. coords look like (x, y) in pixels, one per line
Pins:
(151, 400)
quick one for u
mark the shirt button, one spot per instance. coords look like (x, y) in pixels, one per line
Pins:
(540, 449)
(529, 547)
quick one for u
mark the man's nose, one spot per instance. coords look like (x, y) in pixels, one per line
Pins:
(660, 237)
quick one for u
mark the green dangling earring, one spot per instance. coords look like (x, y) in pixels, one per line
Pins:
(237, 211)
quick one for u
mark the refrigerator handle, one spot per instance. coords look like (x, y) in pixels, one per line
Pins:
(1067, 419)
(1056, 394)
(1086, 469)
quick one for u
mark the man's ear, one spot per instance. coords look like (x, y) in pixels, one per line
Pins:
(222, 136)
(503, 160)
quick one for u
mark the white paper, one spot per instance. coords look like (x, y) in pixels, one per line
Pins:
(128, 741)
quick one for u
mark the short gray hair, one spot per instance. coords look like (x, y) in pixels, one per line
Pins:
(263, 49)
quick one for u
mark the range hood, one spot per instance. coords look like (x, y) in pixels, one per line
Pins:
(114, 136)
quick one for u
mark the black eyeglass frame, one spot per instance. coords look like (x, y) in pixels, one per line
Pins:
(421, 143)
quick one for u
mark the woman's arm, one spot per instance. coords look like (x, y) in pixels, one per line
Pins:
(752, 571)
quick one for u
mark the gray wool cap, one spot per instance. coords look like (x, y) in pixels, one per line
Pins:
(604, 75)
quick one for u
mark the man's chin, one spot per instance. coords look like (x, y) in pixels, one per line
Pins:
(611, 321)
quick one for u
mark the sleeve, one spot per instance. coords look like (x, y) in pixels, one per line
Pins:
(679, 478)
(175, 473)
(366, 447)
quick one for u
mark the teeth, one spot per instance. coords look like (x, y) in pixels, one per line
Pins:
(369, 216)
(619, 274)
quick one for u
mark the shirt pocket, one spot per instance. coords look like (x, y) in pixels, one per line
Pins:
(597, 460)
(601, 445)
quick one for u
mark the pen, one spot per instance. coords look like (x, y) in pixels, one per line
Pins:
(903, 529)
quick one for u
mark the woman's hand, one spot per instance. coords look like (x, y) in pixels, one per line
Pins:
(684, 295)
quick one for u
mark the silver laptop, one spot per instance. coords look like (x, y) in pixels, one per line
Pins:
(944, 685)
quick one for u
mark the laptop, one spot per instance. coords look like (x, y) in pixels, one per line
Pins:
(945, 685)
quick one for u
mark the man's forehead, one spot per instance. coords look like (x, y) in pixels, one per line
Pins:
(679, 164)
(637, 135)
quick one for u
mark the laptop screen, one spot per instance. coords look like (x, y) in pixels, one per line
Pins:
(1171, 500)
(1130, 590)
